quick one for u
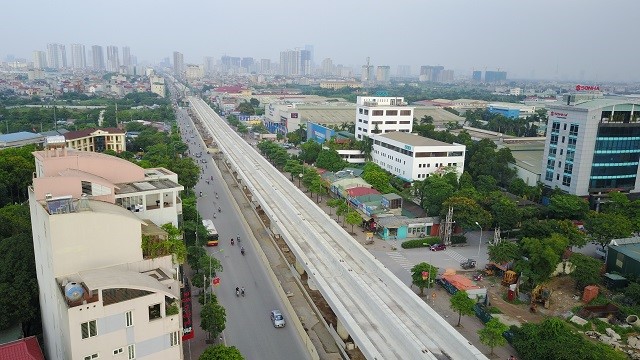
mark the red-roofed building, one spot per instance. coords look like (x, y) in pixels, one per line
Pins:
(23, 349)
(97, 140)
(232, 90)
(361, 191)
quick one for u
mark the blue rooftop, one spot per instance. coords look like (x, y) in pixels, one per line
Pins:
(19, 136)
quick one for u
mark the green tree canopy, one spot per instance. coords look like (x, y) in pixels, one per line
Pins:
(603, 227)
(504, 251)
(586, 271)
(466, 212)
(462, 304)
(213, 318)
(567, 206)
(555, 339)
(377, 177)
(417, 278)
(221, 352)
(329, 159)
(434, 191)
(309, 151)
(491, 334)
(353, 218)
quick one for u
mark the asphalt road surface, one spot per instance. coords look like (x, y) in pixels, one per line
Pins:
(249, 327)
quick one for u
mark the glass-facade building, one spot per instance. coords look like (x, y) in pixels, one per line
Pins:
(593, 146)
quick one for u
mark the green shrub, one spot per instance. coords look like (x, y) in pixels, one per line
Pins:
(172, 309)
(458, 239)
(418, 243)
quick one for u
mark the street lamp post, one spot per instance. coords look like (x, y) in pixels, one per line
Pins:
(480, 242)
(210, 278)
(430, 270)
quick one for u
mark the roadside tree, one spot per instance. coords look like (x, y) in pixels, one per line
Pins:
(421, 281)
(213, 318)
(353, 218)
(504, 251)
(461, 303)
(491, 334)
(603, 228)
(586, 270)
(221, 352)
(567, 206)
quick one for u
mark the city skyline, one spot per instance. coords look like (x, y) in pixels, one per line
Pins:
(534, 40)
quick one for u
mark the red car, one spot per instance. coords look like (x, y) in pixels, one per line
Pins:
(438, 247)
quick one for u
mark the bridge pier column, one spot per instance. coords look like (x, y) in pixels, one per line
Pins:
(342, 332)
(299, 267)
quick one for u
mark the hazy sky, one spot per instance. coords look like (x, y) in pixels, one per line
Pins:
(593, 40)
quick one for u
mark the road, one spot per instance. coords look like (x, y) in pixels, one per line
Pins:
(249, 327)
(384, 318)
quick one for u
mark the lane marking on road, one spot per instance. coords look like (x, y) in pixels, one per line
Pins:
(455, 256)
(401, 260)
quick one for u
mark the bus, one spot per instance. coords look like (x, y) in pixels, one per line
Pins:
(212, 233)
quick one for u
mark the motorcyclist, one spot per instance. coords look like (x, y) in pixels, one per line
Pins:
(200, 193)
(242, 250)
(231, 241)
(242, 290)
(237, 291)
(238, 237)
(219, 210)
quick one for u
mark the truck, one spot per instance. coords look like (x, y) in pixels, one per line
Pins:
(454, 283)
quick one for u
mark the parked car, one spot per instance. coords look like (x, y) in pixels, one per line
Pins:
(277, 318)
(438, 247)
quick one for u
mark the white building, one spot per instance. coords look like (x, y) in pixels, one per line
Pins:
(100, 297)
(157, 85)
(413, 157)
(379, 115)
(194, 72)
(592, 146)
(78, 56)
(56, 56)
(39, 59)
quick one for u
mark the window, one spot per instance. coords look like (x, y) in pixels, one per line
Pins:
(360, 111)
(554, 139)
(566, 180)
(154, 312)
(131, 350)
(551, 163)
(573, 130)
(174, 338)
(129, 318)
(377, 112)
(552, 151)
(548, 175)
(570, 154)
(564, 127)
(563, 139)
(117, 351)
(405, 112)
(89, 329)
(366, 111)
(561, 151)
(568, 168)
(572, 142)
(392, 112)
(92, 356)
(360, 120)
(555, 127)
(391, 122)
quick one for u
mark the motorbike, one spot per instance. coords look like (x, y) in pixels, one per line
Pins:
(219, 210)
(242, 251)
(242, 291)
(237, 292)
(232, 242)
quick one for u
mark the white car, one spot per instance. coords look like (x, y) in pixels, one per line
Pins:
(277, 318)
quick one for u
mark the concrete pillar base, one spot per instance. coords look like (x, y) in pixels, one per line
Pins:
(342, 332)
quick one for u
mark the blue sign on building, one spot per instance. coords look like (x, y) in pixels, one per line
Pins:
(319, 133)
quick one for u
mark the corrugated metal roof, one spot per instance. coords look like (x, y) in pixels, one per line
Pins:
(19, 136)
(23, 349)
(411, 139)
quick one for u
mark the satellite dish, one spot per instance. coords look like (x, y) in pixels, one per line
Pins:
(73, 291)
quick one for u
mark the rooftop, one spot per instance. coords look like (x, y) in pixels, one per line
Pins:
(23, 349)
(86, 132)
(597, 104)
(528, 156)
(411, 139)
(148, 185)
(19, 136)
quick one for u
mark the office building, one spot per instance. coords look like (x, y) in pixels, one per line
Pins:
(593, 146)
(247, 63)
(327, 68)
(178, 63)
(495, 76)
(56, 56)
(446, 76)
(380, 115)
(476, 76)
(113, 59)
(78, 56)
(97, 57)
(383, 74)
(98, 140)
(412, 157)
(39, 59)
(511, 110)
(101, 294)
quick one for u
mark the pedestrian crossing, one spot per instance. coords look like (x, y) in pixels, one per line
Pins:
(400, 259)
(454, 255)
